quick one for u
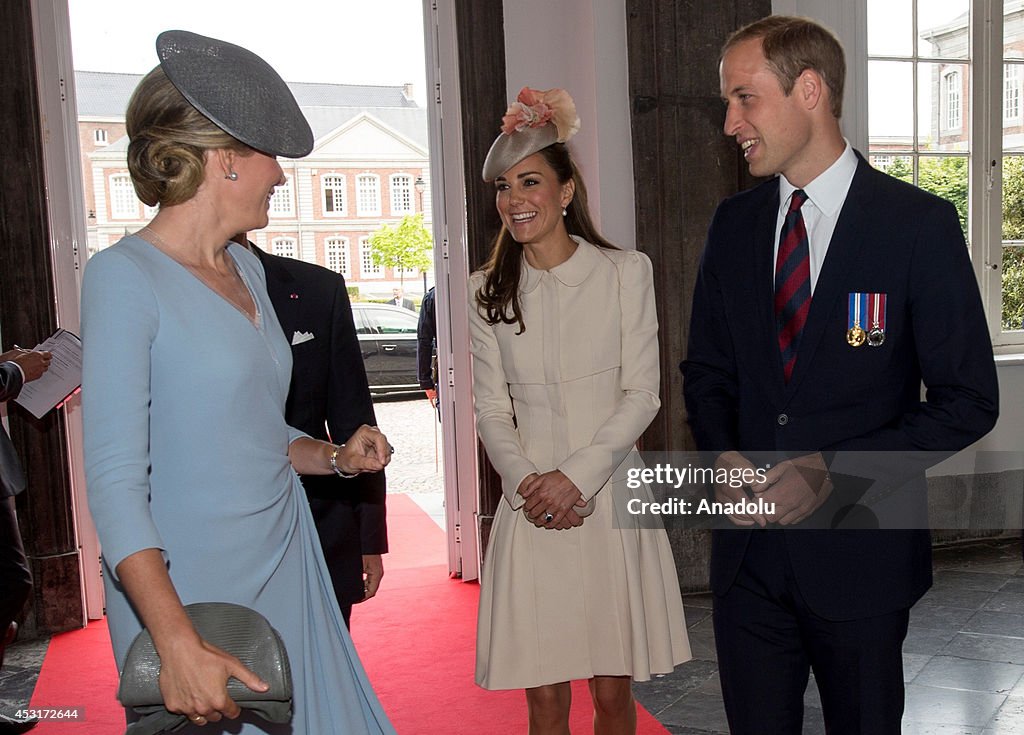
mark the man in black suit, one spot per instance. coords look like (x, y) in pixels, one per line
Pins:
(825, 298)
(17, 367)
(329, 399)
(398, 299)
(426, 347)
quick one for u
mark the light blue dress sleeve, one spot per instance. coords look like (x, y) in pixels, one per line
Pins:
(120, 319)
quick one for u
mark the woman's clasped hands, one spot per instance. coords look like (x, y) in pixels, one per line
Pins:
(552, 500)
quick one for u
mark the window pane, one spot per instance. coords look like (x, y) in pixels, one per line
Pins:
(1013, 29)
(892, 32)
(393, 322)
(286, 247)
(890, 105)
(901, 167)
(1013, 287)
(943, 111)
(943, 27)
(1013, 121)
(947, 177)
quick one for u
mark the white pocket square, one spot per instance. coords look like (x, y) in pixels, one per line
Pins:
(299, 337)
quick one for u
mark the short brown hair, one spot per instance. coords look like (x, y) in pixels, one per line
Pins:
(792, 45)
(169, 139)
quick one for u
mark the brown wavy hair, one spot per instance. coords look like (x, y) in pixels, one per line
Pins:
(500, 293)
(169, 140)
(790, 45)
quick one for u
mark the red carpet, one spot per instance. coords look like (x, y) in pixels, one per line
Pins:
(416, 639)
(79, 671)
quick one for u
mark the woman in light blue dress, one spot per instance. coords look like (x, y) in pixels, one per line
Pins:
(191, 468)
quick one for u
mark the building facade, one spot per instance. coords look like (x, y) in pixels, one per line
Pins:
(369, 167)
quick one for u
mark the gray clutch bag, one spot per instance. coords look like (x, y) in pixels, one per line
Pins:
(242, 632)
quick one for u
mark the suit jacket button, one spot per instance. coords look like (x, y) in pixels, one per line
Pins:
(782, 419)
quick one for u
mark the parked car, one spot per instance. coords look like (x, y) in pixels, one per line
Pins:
(387, 338)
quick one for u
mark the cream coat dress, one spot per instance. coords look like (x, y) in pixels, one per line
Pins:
(574, 391)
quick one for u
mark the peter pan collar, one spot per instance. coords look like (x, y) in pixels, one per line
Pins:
(572, 272)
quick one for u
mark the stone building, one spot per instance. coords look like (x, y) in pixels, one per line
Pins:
(368, 167)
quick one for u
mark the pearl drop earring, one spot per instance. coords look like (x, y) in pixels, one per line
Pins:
(233, 176)
(564, 212)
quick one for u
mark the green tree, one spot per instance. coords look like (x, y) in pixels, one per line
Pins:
(947, 177)
(408, 245)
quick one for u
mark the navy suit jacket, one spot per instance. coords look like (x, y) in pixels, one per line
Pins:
(12, 477)
(329, 392)
(890, 238)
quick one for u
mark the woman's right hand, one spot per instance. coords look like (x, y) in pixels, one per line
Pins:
(193, 681)
(193, 673)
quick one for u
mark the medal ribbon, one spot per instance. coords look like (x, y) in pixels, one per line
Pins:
(858, 306)
(876, 317)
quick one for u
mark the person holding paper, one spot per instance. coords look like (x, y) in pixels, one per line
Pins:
(17, 367)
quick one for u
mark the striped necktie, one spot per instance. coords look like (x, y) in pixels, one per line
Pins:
(792, 282)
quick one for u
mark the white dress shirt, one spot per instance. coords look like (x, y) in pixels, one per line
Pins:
(825, 198)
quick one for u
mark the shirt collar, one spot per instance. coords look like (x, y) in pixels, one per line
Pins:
(828, 191)
(572, 272)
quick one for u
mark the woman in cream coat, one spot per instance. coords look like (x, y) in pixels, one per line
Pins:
(565, 379)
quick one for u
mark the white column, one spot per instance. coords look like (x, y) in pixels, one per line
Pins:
(849, 21)
(580, 45)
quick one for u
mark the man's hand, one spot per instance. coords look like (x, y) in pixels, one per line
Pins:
(432, 396)
(373, 573)
(33, 363)
(725, 493)
(797, 487)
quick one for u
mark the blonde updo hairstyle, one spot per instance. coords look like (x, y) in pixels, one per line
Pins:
(169, 140)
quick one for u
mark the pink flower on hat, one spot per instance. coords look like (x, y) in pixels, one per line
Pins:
(534, 108)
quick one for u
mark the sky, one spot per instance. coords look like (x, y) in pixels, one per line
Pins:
(378, 42)
(891, 107)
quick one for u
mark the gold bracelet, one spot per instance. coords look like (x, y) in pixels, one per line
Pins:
(334, 463)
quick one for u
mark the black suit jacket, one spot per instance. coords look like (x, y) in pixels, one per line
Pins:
(890, 238)
(12, 477)
(329, 393)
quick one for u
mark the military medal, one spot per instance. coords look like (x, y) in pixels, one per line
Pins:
(876, 318)
(855, 334)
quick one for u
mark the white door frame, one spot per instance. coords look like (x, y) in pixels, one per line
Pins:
(62, 178)
(451, 266)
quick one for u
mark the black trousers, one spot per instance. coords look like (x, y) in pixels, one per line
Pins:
(768, 641)
(15, 577)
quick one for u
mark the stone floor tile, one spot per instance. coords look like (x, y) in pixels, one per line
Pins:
(995, 623)
(927, 641)
(1009, 720)
(950, 706)
(1007, 602)
(986, 648)
(968, 674)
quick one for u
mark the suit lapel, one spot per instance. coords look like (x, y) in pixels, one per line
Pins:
(283, 292)
(764, 281)
(843, 253)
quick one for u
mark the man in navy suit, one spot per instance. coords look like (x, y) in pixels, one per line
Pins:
(329, 393)
(825, 298)
(17, 367)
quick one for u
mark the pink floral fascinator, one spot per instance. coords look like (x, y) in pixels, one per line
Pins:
(537, 119)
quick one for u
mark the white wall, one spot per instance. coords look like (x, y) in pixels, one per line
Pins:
(580, 45)
(848, 20)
